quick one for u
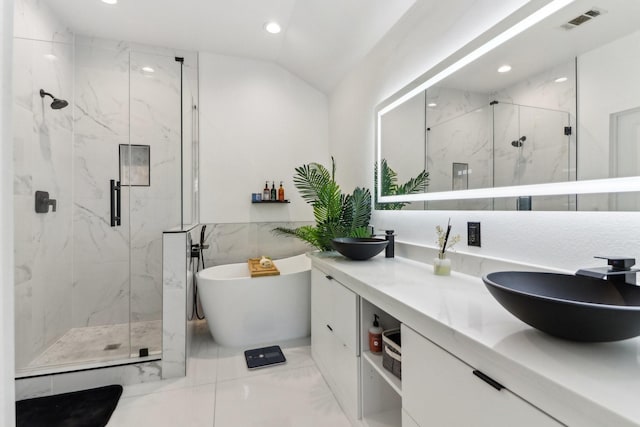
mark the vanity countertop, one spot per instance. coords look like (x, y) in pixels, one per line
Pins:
(581, 384)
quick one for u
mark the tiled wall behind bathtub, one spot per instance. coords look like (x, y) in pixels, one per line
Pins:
(231, 243)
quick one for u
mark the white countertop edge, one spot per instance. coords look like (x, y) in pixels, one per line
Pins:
(533, 380)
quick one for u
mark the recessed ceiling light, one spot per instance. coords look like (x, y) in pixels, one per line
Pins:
(272, 27)
(50, 56)
(110, 1)
(560, 80)
(432, 104)
(504, 69)
(148, 69)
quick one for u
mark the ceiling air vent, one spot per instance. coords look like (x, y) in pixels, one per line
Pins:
(581, 19)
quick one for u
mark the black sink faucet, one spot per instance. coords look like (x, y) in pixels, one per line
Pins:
(619, 270)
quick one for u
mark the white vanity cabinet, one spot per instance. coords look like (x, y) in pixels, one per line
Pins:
(334, 338)
(440, 389)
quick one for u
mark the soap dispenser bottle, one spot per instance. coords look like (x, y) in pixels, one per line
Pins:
(281, 193)
(274, 195)
(375, 336)
(266, 193)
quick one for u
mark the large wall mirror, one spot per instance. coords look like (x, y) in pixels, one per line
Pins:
(548, 120)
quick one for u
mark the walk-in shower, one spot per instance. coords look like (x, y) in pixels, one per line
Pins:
(88, 290)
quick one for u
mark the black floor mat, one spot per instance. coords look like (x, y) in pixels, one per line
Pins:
(86, 408)
(263, 357)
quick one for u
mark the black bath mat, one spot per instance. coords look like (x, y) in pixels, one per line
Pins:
(263, 357)
(86, 408)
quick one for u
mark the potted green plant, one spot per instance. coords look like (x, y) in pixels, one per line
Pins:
(390, 187)
(336, 214)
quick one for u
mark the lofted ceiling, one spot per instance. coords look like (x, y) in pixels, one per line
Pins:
(320, 39)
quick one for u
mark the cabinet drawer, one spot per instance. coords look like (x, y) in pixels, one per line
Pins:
(345, 316)
(440, 389)
(337, 306)
(320, 294)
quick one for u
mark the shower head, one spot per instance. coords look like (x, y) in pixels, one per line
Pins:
(518, 143)
(57, 103)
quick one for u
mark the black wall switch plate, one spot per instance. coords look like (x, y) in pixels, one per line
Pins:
(473, 234)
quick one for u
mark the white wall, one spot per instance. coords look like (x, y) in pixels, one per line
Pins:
(7, 392)
(258, 122)
(609, 83)
(425, 36)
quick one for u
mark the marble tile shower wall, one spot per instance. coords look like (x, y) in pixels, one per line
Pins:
(42, 59)
(232, 243)
(461, 120)
(42, 161)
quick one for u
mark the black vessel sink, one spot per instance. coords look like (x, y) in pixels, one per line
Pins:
(571, 307)
(359, 248)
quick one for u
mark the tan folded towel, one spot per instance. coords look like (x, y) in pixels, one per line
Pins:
(266, 262)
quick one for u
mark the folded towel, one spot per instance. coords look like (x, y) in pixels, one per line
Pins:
(266, 262)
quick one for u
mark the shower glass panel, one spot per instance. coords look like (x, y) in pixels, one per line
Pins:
(89, 275)
(154, 123)
(525, 136)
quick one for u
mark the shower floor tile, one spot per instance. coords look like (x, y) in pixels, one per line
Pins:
(100, 343)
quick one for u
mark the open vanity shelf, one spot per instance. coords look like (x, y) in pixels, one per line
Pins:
(381, 390)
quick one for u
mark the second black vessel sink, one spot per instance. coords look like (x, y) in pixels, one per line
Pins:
(359, 248)
(576, 308)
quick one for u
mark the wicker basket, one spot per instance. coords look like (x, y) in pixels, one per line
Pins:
(391, 355)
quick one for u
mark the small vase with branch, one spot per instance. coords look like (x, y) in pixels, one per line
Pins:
(441, 264)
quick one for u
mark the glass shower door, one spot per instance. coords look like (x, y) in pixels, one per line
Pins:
(153, 188)
(101, 237)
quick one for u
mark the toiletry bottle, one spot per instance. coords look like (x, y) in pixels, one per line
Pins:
(375, 336)
(266, 193)
(389, 251)
(281, 193)
(274, 194)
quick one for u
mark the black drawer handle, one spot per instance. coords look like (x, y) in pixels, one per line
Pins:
(487, 379)
(329, 277)
(330, 328)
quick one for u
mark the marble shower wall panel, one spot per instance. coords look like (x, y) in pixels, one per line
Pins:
(175, 302)
(452, 103)
(33, 19)
(101, 252)
(235, 243)
(460, 132)
(543, 91)
(155, 121)
(42, 161)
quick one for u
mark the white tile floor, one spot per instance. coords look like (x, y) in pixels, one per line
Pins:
(219, 391)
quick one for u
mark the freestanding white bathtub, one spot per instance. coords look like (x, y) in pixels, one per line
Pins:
(243, 311)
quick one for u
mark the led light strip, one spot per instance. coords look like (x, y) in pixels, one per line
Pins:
(592, 186)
